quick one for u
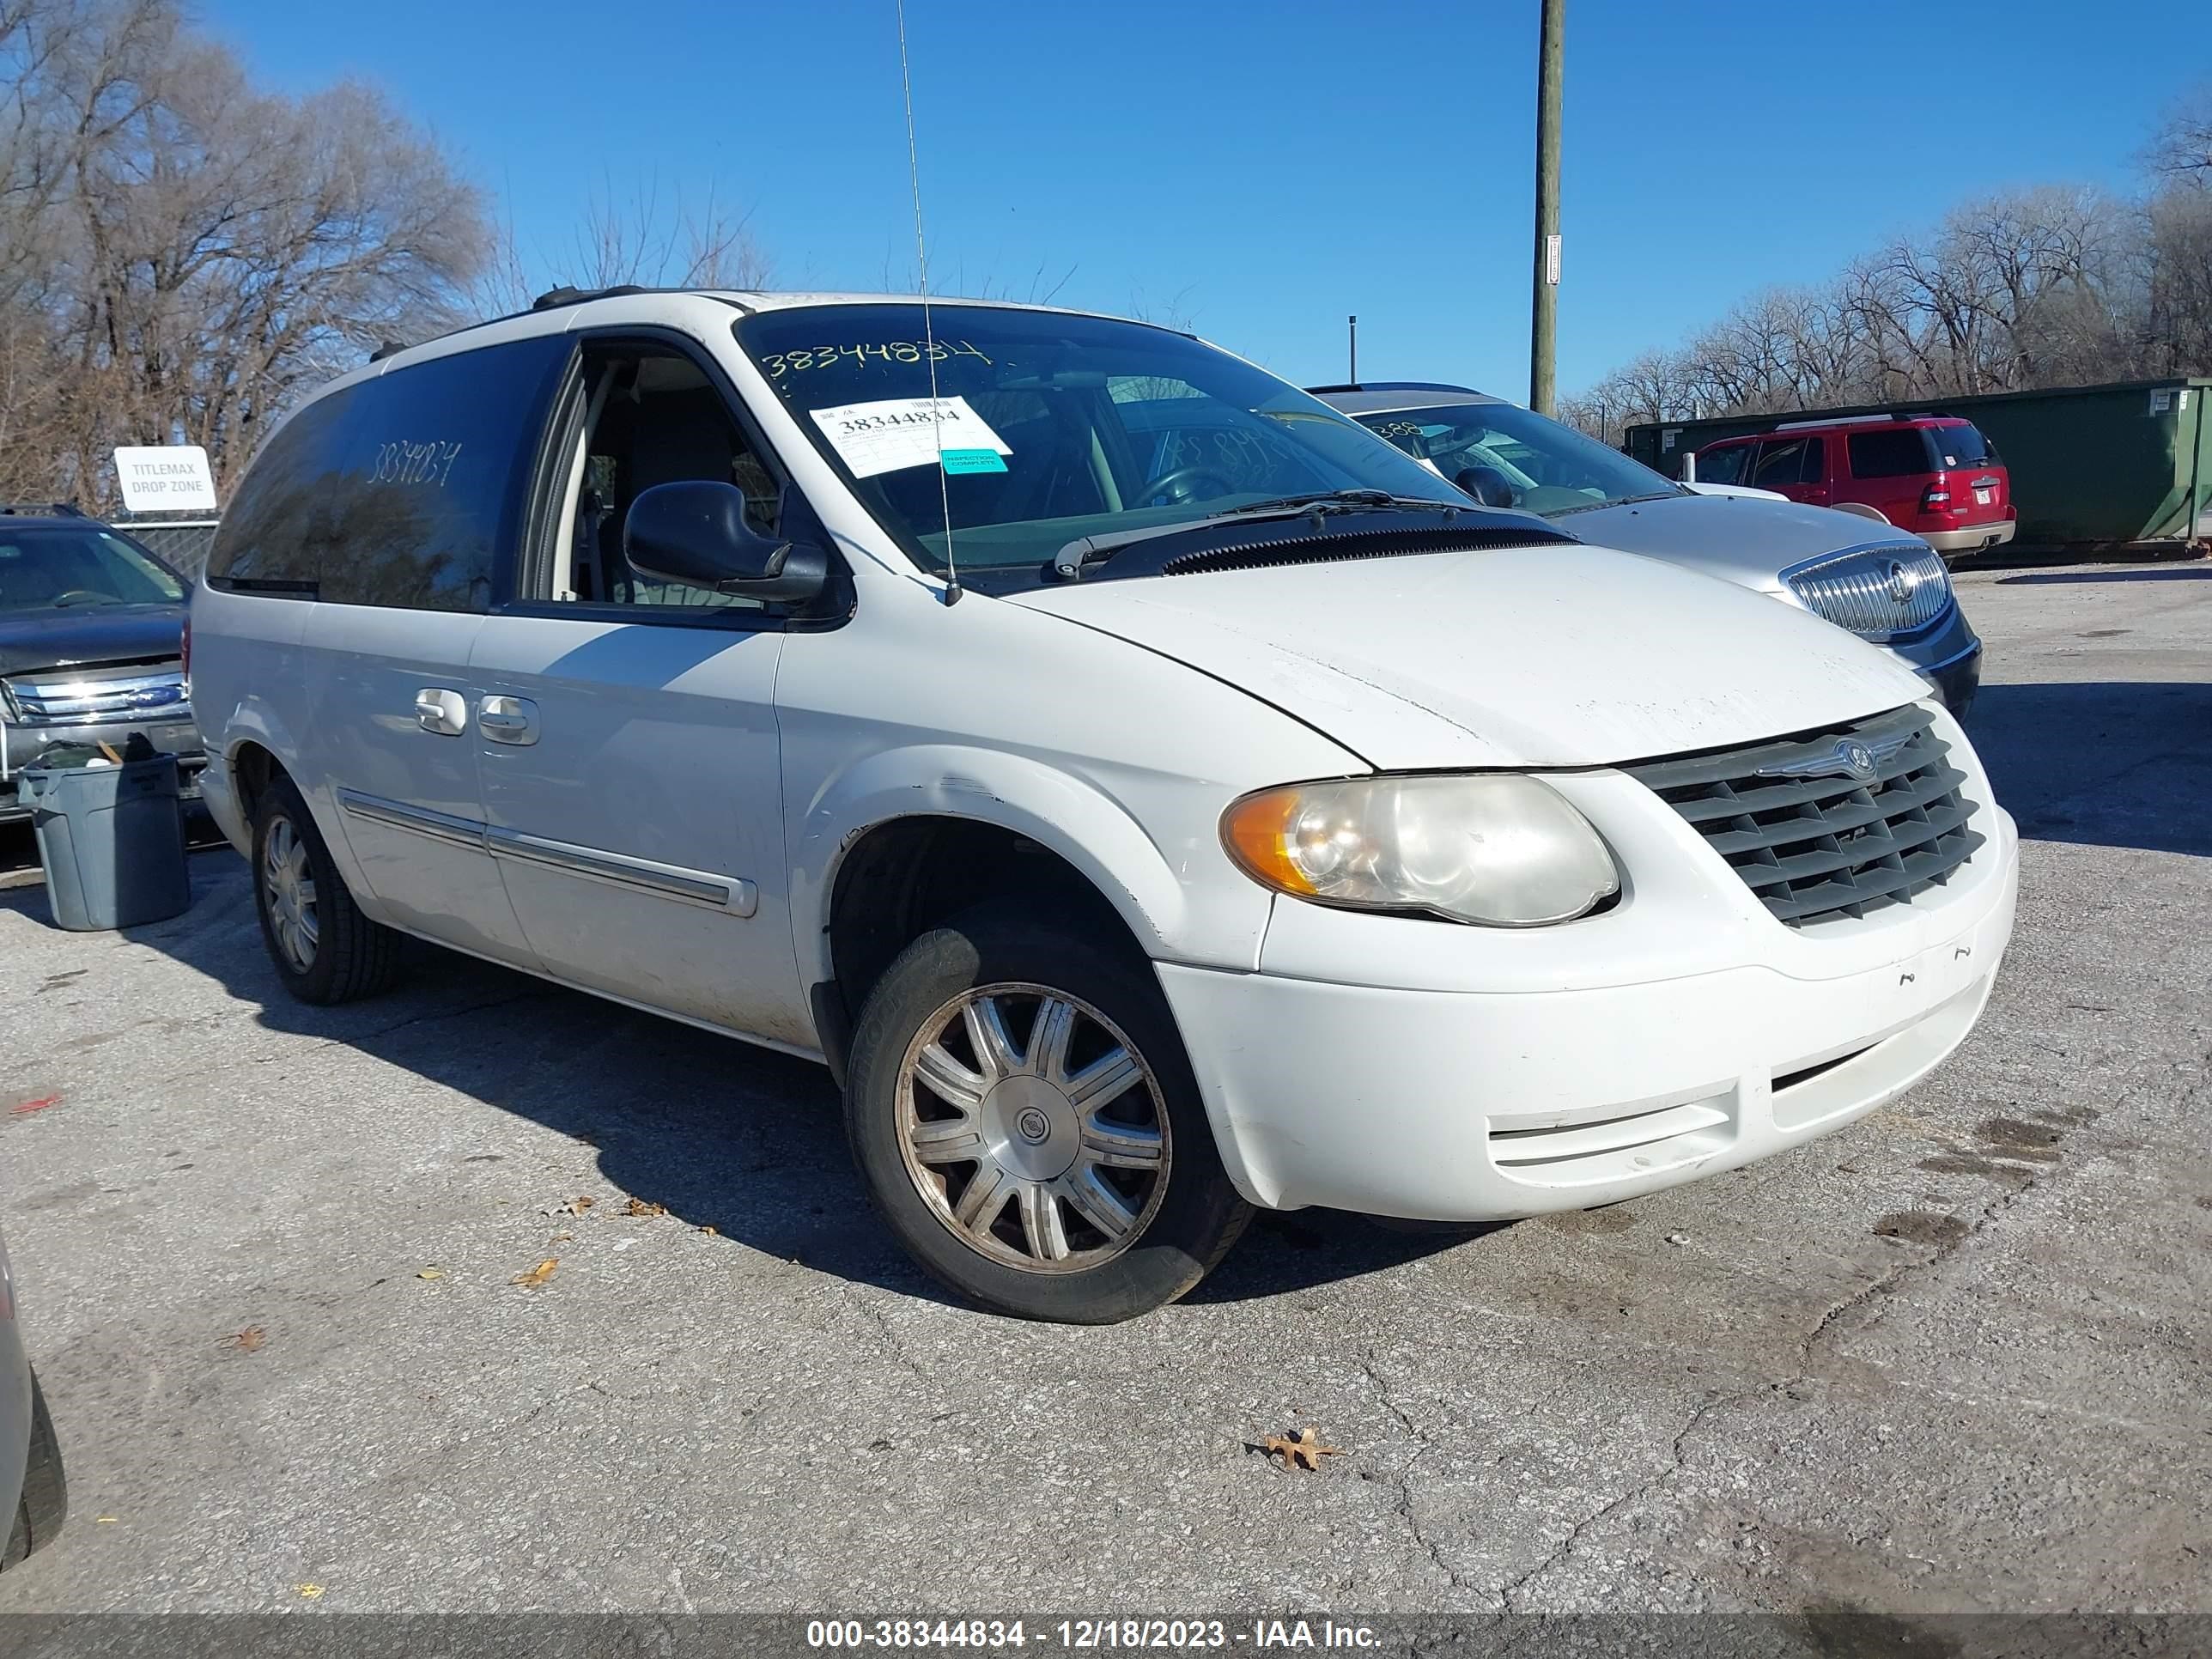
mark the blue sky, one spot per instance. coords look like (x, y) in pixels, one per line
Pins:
(1269, 168)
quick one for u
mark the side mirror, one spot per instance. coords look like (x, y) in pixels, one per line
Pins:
(695, 532)
(1486, 484)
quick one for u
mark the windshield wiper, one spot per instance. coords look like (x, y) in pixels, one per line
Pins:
(1618, 500)
(1072, 560)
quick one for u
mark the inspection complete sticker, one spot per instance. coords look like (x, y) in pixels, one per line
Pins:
(892, 433)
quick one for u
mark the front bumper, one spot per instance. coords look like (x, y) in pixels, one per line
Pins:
(20, 746)
(1948, 657)
(1453, 1104)
(1970, 539)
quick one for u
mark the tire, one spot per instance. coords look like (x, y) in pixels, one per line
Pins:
(1143, 1209)
(339, 954)
(45, 1504)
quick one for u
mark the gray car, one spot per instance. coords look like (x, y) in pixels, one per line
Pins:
(32, 1495)
(1886, 585)
(92, 634)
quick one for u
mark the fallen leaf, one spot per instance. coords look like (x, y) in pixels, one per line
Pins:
(576, 1205)
(1302, 1450)
(431, 1272)
(311, 1591)
(538, 1275)
(639, 1207)
(30, 1106)
(560, 1238)
(709, 1227)
(245, 1341)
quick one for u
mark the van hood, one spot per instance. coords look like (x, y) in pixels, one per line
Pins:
(1738, 538)
(85, 636)
(1558, 656)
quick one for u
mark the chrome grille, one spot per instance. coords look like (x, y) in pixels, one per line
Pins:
(1878, 593)
(1832, 823)
(86, 697)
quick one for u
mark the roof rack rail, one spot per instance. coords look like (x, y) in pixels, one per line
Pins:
(1395, 385)
(1862, 420)
(565, 295)
(43, 509)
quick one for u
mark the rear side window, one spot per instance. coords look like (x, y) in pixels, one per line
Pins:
(1723, 465)
(401, 490)
(1891, 453)
(1787, 461)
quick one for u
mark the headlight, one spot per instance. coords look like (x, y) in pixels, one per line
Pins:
(1499, 849)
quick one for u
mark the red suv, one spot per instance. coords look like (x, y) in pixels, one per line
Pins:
(1934, 474)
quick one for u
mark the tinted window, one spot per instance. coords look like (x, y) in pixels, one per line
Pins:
(1722, 466)
(399, 491)
(1960, 446)
(1784, 461)
(1891, 452)
(77, 569)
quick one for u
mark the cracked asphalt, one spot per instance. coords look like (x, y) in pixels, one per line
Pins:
(1954, 1358)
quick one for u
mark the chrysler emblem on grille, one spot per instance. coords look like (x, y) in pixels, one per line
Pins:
(1851, 757)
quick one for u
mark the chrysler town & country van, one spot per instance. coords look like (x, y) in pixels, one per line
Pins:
(1151, 793)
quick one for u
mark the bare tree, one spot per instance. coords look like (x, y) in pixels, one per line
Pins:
(181, 253)
(2050, 286)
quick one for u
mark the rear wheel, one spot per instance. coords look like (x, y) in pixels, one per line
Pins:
(1021, 1109)
(324, 948)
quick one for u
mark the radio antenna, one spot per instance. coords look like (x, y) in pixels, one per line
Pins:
(928, 332)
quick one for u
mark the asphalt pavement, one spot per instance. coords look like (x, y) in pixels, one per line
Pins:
(1953, 1359)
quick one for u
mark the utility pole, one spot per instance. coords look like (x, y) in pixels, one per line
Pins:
(1352, 325)
(1544, 299)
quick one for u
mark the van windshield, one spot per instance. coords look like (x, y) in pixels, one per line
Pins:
(1547, 468)
(1052, 427)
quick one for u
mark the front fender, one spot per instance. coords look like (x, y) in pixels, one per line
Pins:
(1066, 814)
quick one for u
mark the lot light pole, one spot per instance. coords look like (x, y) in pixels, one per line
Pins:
(1544, 299)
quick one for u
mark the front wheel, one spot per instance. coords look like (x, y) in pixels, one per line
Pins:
(1023, 1113)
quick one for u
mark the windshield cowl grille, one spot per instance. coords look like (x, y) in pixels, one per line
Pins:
(1352, 544)
(1880, 592)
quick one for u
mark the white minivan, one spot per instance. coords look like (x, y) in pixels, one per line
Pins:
(1152, 794)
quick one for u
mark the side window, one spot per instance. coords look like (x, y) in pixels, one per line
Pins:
(652, 416)
(1816, 461)
(1889, 453)
(400, 491)
(287, 512)
(1722, 464)
(1781, 463)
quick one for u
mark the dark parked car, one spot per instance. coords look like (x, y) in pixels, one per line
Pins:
(92, 642)
(34, 1498)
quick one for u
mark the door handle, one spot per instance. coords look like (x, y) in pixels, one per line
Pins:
(443, 712)
(508, 720)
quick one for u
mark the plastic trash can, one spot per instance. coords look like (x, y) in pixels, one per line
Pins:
(112, 839)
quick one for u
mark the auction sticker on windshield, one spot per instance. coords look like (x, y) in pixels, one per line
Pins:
(892, 433)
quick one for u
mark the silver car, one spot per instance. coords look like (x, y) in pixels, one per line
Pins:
(1886, 585)
(32, 1493)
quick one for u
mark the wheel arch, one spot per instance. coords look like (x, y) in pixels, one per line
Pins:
(907, 838)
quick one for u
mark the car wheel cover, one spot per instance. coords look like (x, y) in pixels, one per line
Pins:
(288, 887)
(1047, 1153)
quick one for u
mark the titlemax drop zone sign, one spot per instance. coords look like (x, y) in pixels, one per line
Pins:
(165, 479)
